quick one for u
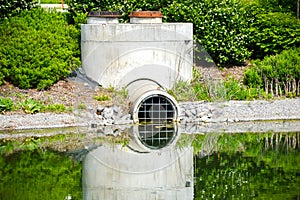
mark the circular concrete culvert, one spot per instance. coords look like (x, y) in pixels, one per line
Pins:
(151, 104)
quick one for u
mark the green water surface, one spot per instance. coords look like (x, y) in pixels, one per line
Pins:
(226, 166)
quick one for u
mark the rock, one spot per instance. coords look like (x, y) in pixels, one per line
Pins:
(108, 113)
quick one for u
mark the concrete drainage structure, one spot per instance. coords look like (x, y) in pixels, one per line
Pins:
(145, 56)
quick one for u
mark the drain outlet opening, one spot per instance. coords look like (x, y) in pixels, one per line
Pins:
(156, 109)
(151, 104)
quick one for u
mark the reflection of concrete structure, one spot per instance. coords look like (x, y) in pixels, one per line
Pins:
(119, 173)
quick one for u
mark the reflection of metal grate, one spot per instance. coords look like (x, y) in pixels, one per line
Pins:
(156, 136)
(156, 109)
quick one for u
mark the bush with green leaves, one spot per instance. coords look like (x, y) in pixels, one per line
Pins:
(38, 48)
(13, 7)
(272, 33)
(220, 26)
(277, 74)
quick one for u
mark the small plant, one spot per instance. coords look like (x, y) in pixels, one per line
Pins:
(123, 93)
(81, 106)
(6, 104)
(182, 91)
(101, 97)
(59, 108)
(31, 106)
(201, 91)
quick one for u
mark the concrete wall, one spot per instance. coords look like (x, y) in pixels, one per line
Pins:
(117, 54)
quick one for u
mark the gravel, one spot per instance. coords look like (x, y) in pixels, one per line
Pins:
(195, 117)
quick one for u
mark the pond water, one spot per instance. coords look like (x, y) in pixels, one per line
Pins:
(187, 166)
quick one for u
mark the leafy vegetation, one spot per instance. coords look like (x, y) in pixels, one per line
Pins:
(51, 1)
(277, 74)
(102, 97)
(10, 8)
(38, 175)
(31, 106)
(38, 49)
(6, 104)
(272, 33)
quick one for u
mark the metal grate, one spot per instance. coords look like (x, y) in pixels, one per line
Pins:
(156, 136)
(156, 109)
(156, 115)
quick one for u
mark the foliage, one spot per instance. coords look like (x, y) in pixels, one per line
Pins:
(221, 27)
(102, 97)
(39, 174)
(202, 91)
(13, 7)
(31, 106)
(182, 91)
(38, 48)
(278, 5)
(278, 74)
(273, 32)
(81, 106)
(58, 108)
(235, 90)
(6, 104)
(123, 6)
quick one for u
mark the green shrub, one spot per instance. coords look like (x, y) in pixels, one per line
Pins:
(272, 33)
(279, 5)
(220, 26)
(235, 90)
(6, 104)
(202, 91)
(38, 48)
(13, 7)
(277, 74)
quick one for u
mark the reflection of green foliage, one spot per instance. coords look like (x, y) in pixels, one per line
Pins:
(248, 166)
(39, 174)
(184, 140)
